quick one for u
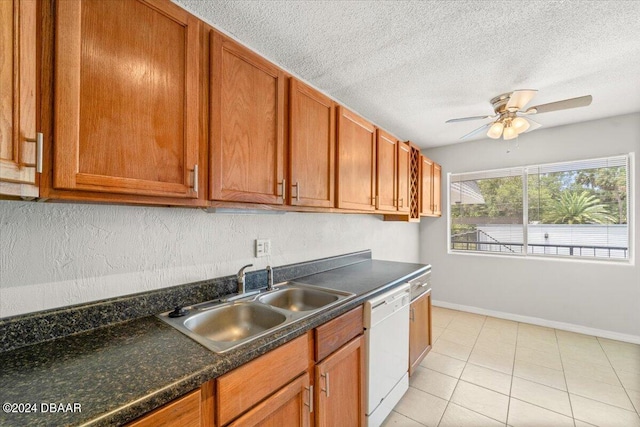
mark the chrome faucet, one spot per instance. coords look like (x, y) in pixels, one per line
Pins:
(269, 278)
(241, 277)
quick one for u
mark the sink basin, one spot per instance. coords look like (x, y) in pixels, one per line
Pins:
(234, 322)
(299, 299)
(224, 324)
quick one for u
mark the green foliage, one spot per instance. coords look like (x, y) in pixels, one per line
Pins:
(593, 196)
(502, 196)
(578, 208)
(610, 186)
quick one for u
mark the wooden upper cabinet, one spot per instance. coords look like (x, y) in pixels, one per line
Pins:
(18, 98)
(126, 98)
(356, 158)
(247, 125)
(437, 197)
(430, 181)
(426, 185)
(311, 147)
(404, 177)
(387, 171)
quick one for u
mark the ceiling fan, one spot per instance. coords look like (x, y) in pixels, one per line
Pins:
(509, 120)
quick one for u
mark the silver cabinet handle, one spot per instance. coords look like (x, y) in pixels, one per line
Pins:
(39, 142)
(284, 186)
(412, 317)
(310, 404)
(326, 384)
(297, 185)
(401, 203)
(195, 178)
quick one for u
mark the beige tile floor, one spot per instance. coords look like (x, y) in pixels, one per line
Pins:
(484, 371)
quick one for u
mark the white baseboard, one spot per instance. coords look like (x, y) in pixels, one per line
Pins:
(634, 339)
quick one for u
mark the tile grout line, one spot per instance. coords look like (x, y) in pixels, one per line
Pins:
(518, 331)
(564, 375)
(618, 377)
(457, 379)
(466, 362)
(513, 370)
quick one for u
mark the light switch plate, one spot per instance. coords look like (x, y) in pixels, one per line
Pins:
(263, 247)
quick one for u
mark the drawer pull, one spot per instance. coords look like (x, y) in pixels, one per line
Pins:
(326, 383)
(39, 142)
(195, 178)
(310, 404)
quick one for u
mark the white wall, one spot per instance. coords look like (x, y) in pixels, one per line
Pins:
(603, 296)
(60, 254)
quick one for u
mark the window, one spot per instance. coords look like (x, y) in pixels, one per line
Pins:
(572, 209)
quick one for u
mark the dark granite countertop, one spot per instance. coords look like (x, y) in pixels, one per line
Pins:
(117, 373)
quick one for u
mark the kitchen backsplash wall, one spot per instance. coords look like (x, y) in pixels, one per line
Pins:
(55, 255)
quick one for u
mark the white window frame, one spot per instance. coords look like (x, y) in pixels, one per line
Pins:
(630, 260)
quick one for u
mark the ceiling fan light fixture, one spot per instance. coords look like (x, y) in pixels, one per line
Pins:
(509, 133)
(520, 124)
(495, 131)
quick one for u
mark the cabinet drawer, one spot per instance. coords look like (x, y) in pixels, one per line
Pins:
(247, 385)
(182, 412)
(337, 332)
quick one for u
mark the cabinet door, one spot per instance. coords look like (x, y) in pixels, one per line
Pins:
(426, 186)
(247, 125)
(437, 202)
(239, 390)
(312, 147)
(126, 98)
(356, 179)
(289, 406)
(18, 98)
(404, 177)
(194, 409)
(339, 381)
(419, 330)
(387, 172)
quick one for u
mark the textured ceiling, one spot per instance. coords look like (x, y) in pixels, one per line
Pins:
(410, 65)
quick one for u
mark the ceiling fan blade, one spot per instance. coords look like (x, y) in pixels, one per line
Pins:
(532, 125)
(581, 101)
(477, 131)
(519, 98)
(464, 119)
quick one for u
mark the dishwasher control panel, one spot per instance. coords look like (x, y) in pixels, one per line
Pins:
(380, 307)
(420, 284)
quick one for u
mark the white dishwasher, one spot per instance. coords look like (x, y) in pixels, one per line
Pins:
(386, 322)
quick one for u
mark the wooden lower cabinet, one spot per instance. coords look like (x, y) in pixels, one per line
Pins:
(289, 406)
(419, 330)
(195, 409)
(248, 385)
(339, 390)
(316, 379)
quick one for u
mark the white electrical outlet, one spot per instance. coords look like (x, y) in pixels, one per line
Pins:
(263, 247)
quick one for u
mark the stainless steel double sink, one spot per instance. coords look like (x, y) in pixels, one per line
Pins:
(221, 326)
